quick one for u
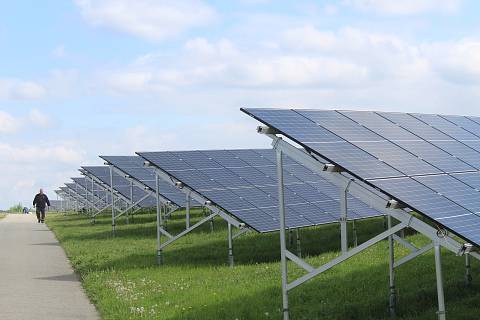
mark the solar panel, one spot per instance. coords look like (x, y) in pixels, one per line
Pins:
(98, 191)
(428, 162)
(244, 183)
(121, 185)
(134, 167)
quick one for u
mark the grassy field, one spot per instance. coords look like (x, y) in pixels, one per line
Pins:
(121, 277)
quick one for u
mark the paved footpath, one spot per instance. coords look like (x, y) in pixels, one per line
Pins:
(36, 279)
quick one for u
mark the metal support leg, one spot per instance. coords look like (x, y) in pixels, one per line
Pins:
(355, 238)
(468, 271)
(283, 244)
(159, 221)
(393, 296)
(187, 211)
(230, 245)
(290, 238)
(113, 201)
(343, 221)
(131, 201)
(299, 247)
(438, 270)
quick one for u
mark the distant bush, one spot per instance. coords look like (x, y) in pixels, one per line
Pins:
(16, 208)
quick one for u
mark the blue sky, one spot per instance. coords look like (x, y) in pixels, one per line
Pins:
(83, 78)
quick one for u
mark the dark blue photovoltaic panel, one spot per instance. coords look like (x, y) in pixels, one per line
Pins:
(380, 125)
(466, 123)
(134, 167)
(120, 184)
(436, 156)
(353, 157)
(415, 126)
(441, 209)
(461, 151)
(453, 189)
(244, 183)
(446, 127)
(439, 178)
(470, 178)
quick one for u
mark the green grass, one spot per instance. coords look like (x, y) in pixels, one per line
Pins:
(122, 279)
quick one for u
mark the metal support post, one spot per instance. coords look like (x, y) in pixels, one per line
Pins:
(299, 247)
(343, 220)
(354, 230)
(230, 245)
(438, 270)
(290, 238)
(112, 200)
(283, 245)
(159, 221)
(468, 270)
(131, 199)
(391, 266)
(187, 211)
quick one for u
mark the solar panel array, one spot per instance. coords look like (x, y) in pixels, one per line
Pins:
(98, 191)
(121, 185)
(134, 167)
(244, 183)
(429, 162)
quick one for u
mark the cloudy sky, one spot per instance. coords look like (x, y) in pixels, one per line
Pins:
(88, 77)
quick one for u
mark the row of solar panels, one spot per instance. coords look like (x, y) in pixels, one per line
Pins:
(428, 162)
(243, 183)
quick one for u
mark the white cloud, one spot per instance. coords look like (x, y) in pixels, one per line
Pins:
(8, 123)
(60, 153)
(39, 119)
(149, 19)
(15, 89)
(459, 62)
(405, 7)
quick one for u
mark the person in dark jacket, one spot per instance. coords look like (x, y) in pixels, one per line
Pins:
(40, 202)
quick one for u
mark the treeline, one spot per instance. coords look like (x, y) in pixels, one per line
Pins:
(16, 208)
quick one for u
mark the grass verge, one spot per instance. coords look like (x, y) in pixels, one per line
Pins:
(122, 279)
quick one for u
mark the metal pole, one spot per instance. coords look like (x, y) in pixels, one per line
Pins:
(112, 201)
(187, 211)
(438, 269)
(468, 271)
(230, 245)
(343, 220)
(159, 221)
(131, 200)
(290, 238)
(283, 244)
(355, 239)
(211, 224)
(299, 248)
(393, 296)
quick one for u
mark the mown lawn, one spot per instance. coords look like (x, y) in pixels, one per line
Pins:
(122, 279)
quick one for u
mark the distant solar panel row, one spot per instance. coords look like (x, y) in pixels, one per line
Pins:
(429, 162)
(121, 185)
(244, 183)
(134, 167)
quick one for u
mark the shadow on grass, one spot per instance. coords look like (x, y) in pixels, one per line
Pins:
(250, 248)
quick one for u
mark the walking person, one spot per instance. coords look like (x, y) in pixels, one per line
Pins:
(40, 202)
